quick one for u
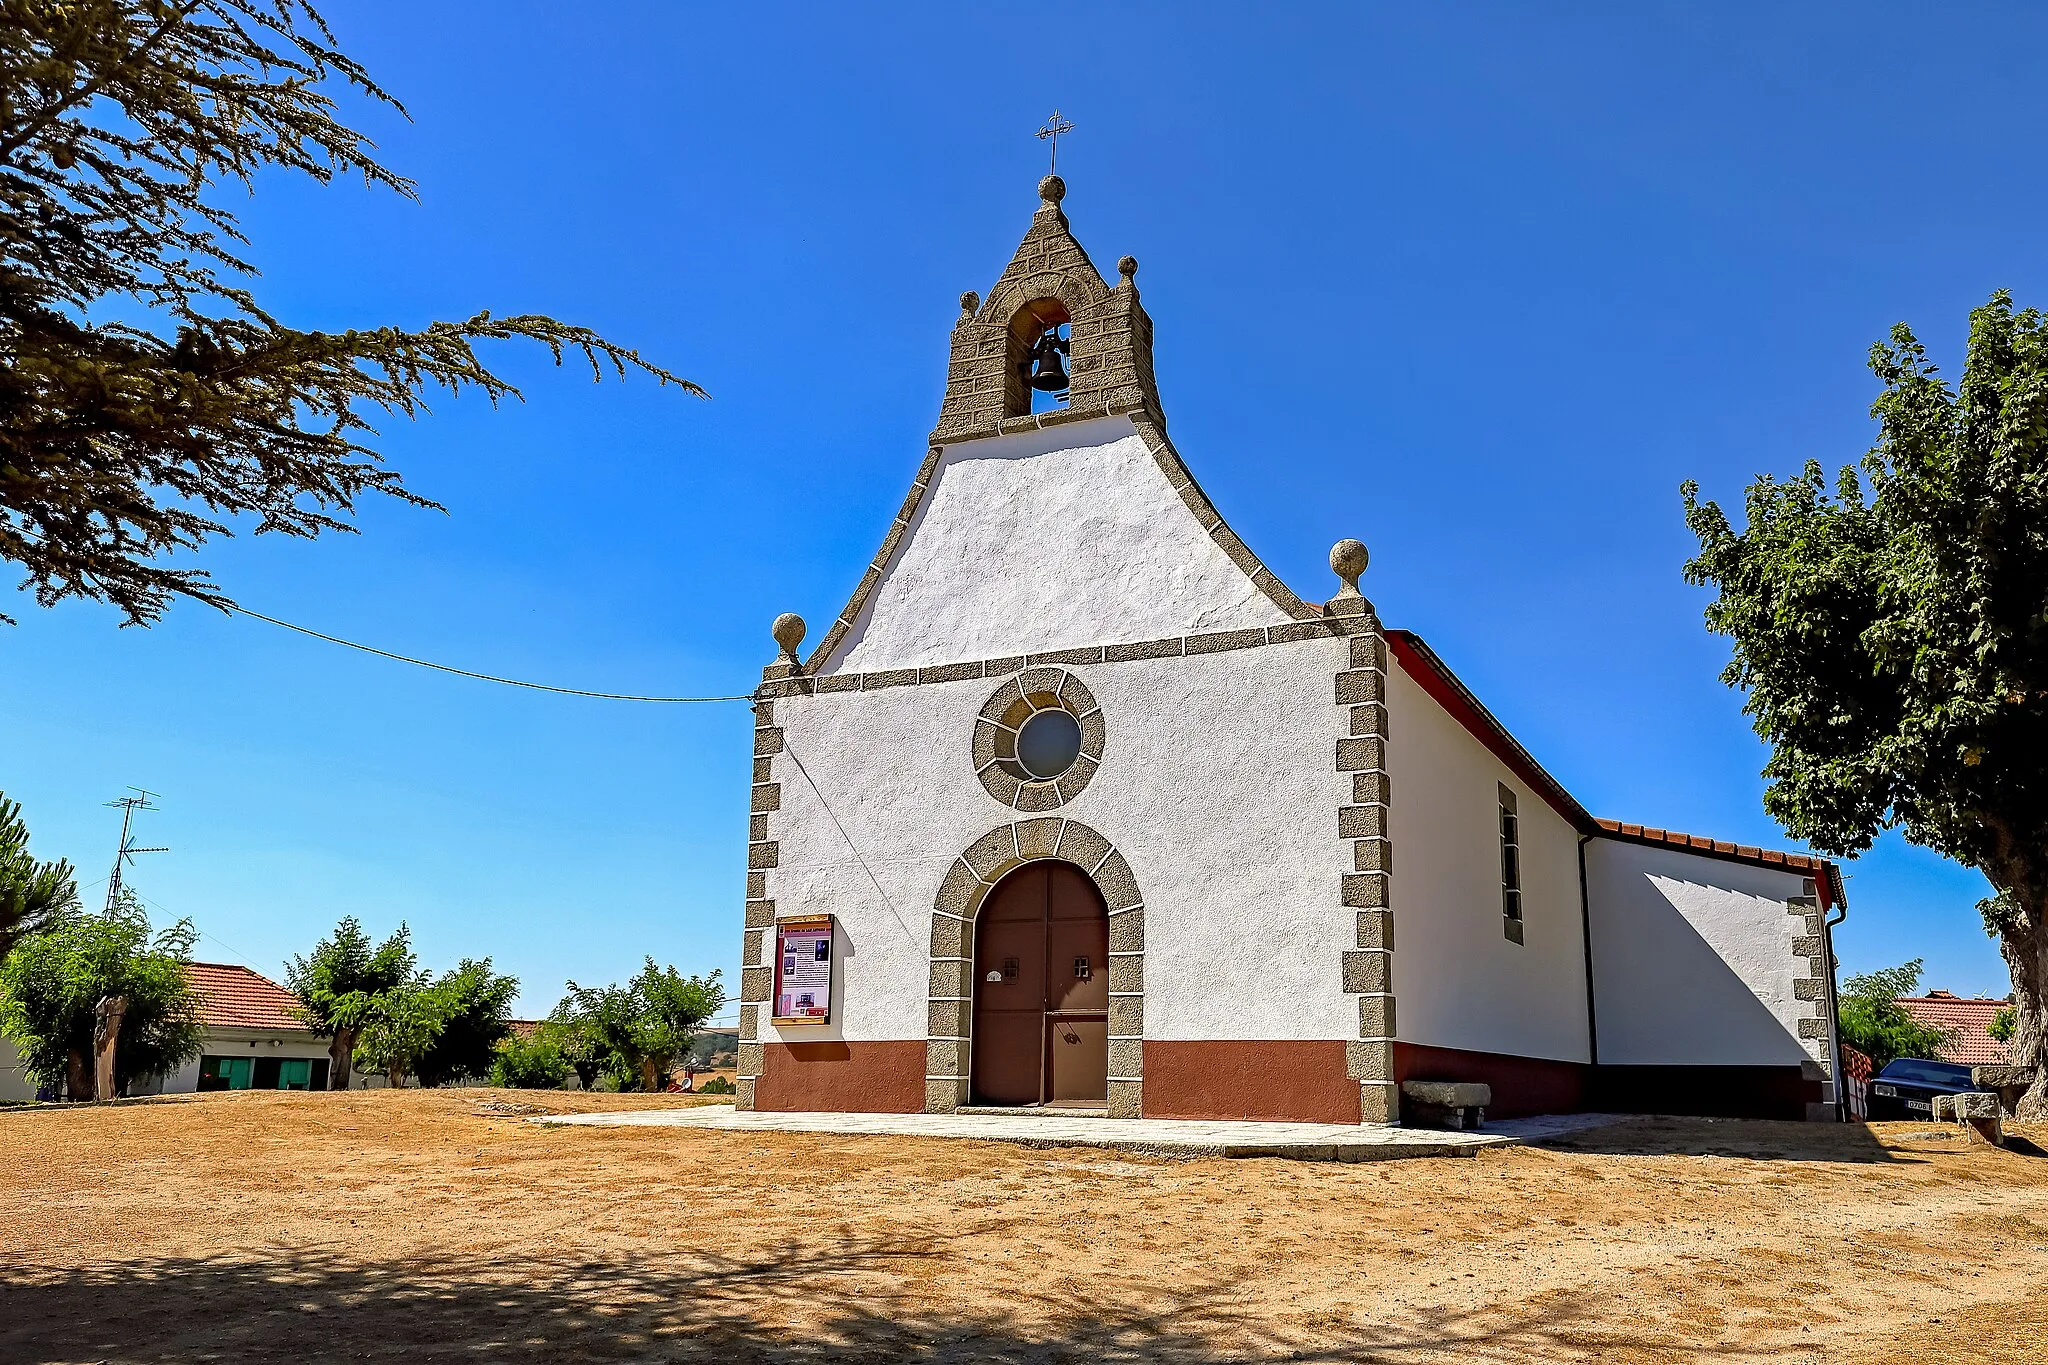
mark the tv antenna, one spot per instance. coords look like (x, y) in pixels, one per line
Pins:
(126, 853)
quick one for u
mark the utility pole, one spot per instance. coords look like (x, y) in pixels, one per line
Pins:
(127, 851)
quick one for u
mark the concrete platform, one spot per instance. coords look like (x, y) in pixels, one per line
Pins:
(1156, 1137)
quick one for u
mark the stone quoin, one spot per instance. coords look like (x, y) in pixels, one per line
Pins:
(1103, 817)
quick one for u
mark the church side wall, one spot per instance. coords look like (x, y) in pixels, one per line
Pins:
(1217, 788)
(1463, 986)
(1705, 962)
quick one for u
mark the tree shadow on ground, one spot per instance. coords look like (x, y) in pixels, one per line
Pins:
(1751, 1139)
(855, 1302)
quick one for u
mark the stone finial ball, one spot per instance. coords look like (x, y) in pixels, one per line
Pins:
(788, 631)
(1348, 560)
(1127, 267)
(969, 301)
(1052, 189)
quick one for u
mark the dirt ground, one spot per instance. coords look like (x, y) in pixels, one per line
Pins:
(438, 1226)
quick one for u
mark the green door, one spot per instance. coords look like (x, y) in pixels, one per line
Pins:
(224, 1073)
(294, 1073)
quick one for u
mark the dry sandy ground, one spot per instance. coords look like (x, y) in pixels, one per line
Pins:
(423, 1226)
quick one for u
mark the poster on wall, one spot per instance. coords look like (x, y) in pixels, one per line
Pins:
(803, 971)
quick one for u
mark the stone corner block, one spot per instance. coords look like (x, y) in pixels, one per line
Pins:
(1379, 1102)
(943, 1095)
(743, 1097)
(1367, 971)
(1126, 1099)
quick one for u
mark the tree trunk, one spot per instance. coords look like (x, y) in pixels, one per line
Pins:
(395, 1077)
(77, 1076)
(2023, 939)
(340, 1053)
(106, 1034)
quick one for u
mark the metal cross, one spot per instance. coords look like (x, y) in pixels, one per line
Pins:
(1051, 133)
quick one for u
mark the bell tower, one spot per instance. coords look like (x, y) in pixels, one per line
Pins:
(1001, 344)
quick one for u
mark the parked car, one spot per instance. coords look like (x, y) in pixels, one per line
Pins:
(1906, 1088)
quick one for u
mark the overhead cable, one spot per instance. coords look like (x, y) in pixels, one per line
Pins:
(466, 673)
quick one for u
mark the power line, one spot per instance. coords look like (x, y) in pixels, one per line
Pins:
(466, 673)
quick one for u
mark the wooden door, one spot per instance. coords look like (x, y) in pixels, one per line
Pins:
(1041, 989)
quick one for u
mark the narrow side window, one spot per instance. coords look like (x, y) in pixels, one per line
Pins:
(1510, 866)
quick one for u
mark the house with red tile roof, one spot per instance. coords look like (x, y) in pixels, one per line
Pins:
(254, 1038)
(1968, 1021)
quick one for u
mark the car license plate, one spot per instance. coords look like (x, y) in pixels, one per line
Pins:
(1921, 1105)
(1889, 1091)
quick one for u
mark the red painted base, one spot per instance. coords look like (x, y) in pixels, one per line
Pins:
(843, 1078)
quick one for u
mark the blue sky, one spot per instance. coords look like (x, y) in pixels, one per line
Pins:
(1479, 285)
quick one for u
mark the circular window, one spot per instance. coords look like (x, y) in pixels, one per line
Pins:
(1038, 740)
(1048, 744)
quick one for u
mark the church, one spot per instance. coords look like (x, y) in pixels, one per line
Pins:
(1076, 806)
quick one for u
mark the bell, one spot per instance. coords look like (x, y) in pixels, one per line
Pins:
(1047, 373)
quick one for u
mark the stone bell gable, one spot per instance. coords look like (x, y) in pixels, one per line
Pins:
(1075, 527)
(1048, 282)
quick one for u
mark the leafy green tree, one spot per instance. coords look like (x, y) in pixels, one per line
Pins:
(1892, 634)
(54, 981)
(33, 894)
(2002, 1025)
(640, 1030)
(146, 398)
(531, 1063)
(478, 1005)
(1877, 1025)
(574, 1034)
(339, 983)
(399, 1029)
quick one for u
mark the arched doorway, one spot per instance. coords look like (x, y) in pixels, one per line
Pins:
(1041, 989)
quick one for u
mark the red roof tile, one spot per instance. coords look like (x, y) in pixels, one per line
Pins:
(1767, 857)
(235, 997)
(1969, 1020)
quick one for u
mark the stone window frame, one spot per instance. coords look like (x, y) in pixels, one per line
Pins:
(1034, 795)
(950, 1004)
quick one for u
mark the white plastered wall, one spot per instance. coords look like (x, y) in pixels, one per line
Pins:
(1693, 958)
(1218, 785)
(1048, 540)
(237, 1043)
(1459, 982)
(13, 1085)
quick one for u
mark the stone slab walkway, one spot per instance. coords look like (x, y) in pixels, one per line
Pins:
(1156, 1137)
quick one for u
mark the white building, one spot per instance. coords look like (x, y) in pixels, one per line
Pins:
(1077, 803)
(254, 1041)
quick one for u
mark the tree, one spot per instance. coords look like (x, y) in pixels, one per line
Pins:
(146, 398)
(477, 1003)
(399, 1029)
(639, 1030)
(339, 983)
(1877, 1025)
(574, 1035)
(1892, 635)
(533, 1062)
(53, 984)
(2002, 1025)
(33, 894)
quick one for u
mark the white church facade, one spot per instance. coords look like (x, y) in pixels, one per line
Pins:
(1077, 805)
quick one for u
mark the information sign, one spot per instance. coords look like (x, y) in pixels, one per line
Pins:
(803, 971)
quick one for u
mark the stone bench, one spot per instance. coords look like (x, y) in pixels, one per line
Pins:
(1977, 1111)
(2010, 1082)
(1444, 1104)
